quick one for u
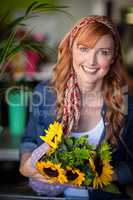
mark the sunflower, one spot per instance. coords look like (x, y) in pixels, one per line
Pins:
(74, 176)
(53, 135)
(52, 172)
(102, 172)
(50, 151)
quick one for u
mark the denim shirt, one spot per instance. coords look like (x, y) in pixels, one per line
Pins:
(43, 112)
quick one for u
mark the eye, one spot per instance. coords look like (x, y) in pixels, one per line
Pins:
(105, 52)
(83, 49)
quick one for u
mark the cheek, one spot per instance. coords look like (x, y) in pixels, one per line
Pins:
(104, 63)
(77, 59)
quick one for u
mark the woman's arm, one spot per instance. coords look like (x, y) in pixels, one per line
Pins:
(124, 172)
(29, 150)
(25, 165)
(28, 160)
(27, 170)
(124, 169)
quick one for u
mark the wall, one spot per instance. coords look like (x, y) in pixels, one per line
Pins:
(56, 25)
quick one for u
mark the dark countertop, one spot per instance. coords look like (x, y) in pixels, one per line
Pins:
(9, 146)
(23, 192)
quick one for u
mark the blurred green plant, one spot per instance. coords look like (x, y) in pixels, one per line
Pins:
(18, 5)
(10, 44)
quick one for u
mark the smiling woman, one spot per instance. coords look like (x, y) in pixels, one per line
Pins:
(89, 101)
(94, 61)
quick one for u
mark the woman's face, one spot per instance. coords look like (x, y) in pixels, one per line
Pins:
(92, 64)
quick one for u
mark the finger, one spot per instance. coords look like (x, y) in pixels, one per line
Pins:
(39, 176)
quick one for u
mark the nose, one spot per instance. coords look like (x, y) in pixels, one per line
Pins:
(92, 58)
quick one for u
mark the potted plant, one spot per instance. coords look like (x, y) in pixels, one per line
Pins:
(10, 46)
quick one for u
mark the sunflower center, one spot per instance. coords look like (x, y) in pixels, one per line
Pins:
(98, 165)
(53, 140)
(71, 176)
(50, 172)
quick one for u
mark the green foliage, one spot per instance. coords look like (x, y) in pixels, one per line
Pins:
(88, 179)
(111, 188)
(105, 151)
(14, 5)
(76, 153)
(10, 44)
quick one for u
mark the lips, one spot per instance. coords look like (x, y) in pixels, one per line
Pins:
(89, 69)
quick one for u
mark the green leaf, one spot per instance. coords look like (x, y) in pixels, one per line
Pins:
(82, 154)
(30, 8)
(88, 181)
(6, 49)
(49, 6)
(69, 142)
(105, 151)
(16, 22)
(111, 188)
(43, 5)
(14, 51)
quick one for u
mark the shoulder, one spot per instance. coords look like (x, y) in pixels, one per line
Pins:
(43, 102)
(44, 85)
(129, 118)
(130, 107)
(130, 101)
(44, 92)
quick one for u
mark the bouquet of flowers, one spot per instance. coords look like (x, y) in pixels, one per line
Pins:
(74, 161)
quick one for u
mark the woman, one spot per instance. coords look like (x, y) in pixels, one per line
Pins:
(87, 87)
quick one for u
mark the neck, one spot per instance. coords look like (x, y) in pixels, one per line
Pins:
(91, 88)
(92, 95)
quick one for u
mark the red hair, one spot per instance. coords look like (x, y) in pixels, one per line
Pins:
(112, 82)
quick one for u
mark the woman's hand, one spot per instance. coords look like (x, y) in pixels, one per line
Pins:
(39, 177)
(26, 169)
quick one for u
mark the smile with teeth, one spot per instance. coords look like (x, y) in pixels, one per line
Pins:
(88, 69)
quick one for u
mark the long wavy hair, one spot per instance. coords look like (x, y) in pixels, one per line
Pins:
(113, 81)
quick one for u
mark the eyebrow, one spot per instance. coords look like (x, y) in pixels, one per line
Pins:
(83, 45)
(106, 48)
(92, 48)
